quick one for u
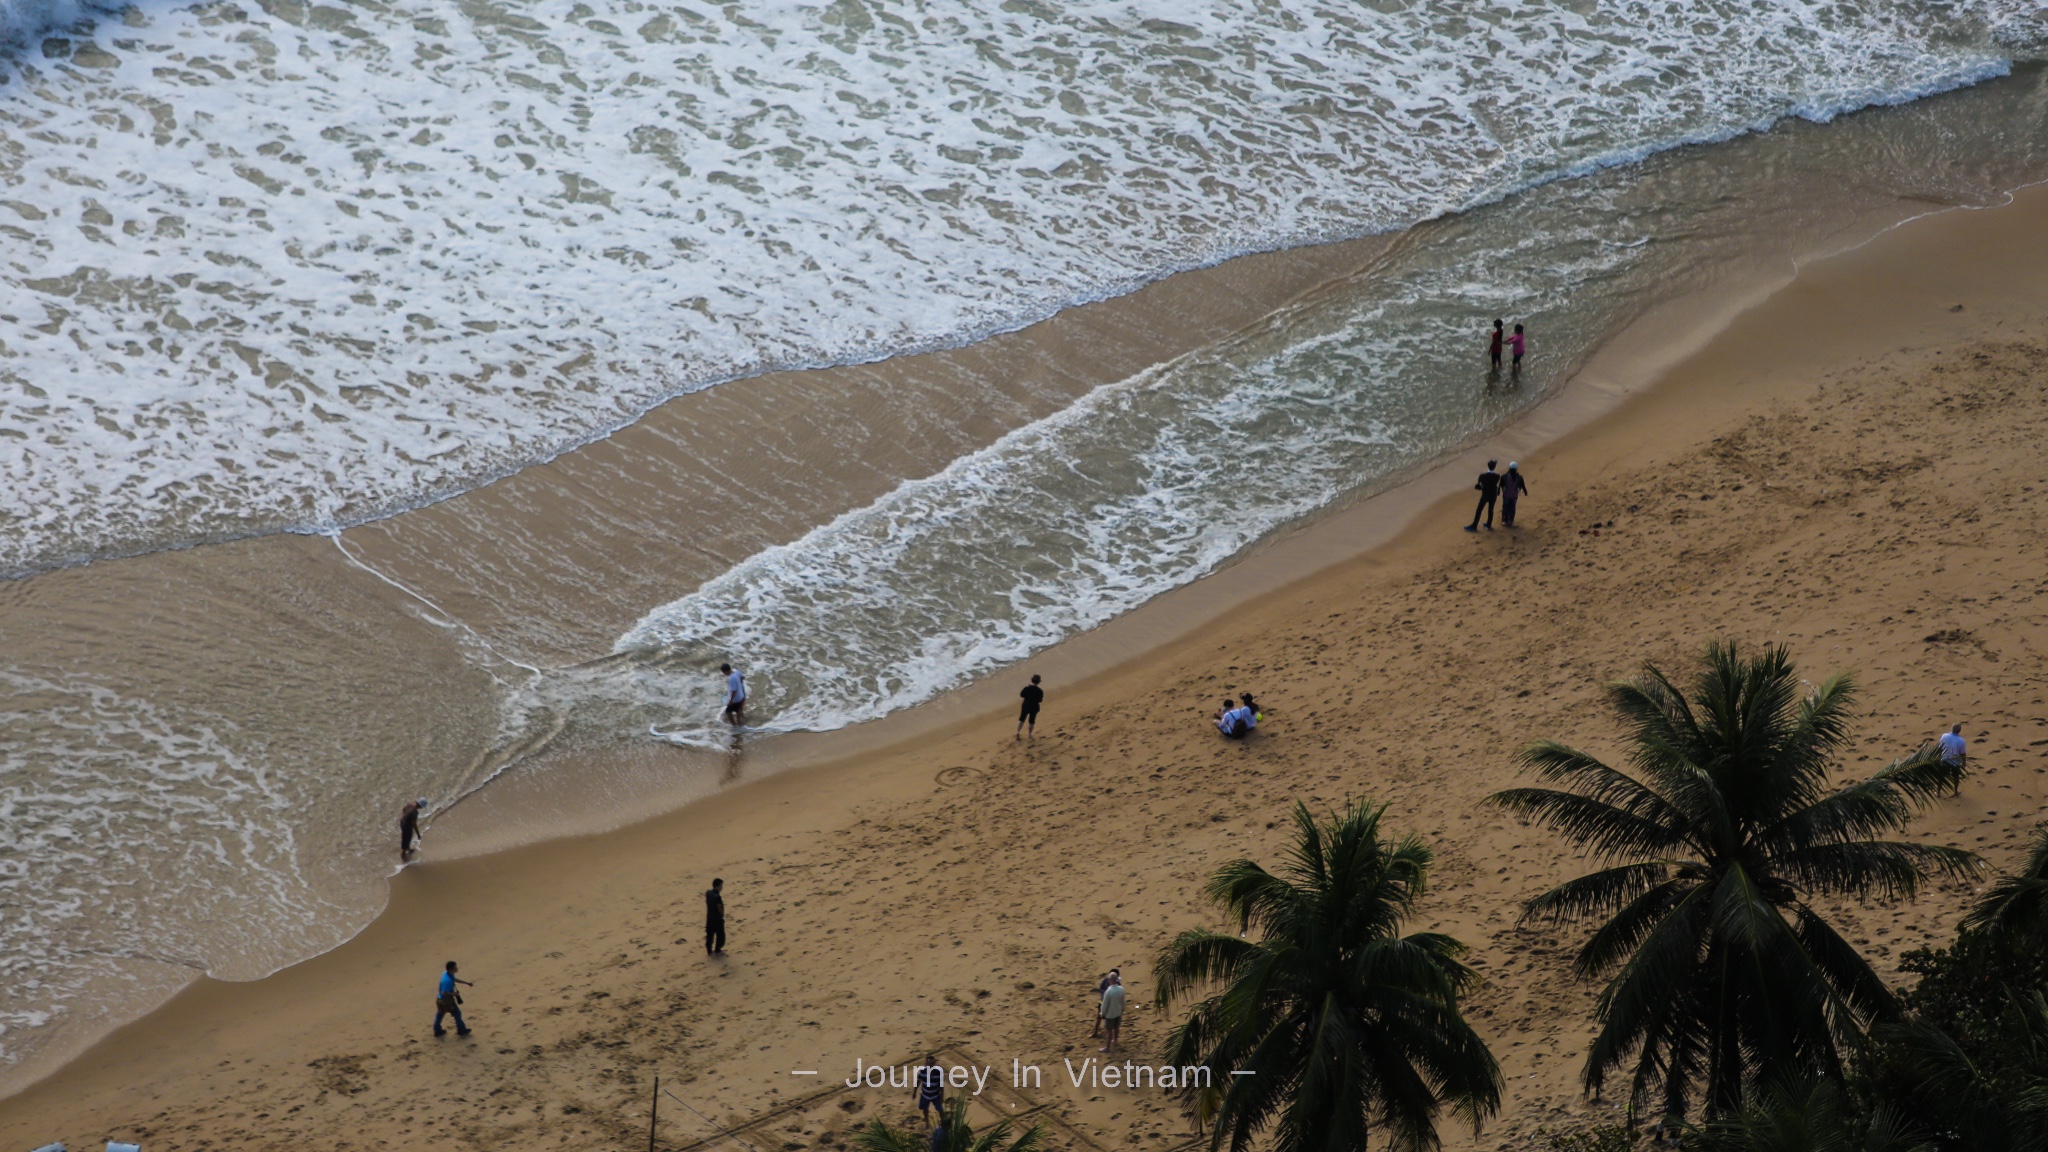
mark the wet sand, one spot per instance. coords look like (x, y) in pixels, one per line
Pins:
(1848, 467)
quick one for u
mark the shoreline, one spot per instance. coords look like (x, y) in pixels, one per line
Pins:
(1894, 281)
(1631, 361)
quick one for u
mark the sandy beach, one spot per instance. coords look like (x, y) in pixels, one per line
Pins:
(1848, 467)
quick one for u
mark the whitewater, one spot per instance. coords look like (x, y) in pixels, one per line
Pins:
(291, 266)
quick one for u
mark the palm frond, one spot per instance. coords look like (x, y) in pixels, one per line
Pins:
(2017, 906)
(1597, 893)
(1196, 957)
(1884, 868)
(1628, 927)
(1602, 829)
(1848, 974)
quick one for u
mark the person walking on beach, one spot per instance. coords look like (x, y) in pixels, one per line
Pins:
(1108, 978)
(1954, 749)
(735, 694)
(1112, 1013)
(1489, 490)
(409, 827)
(930, 1084)
(1493, 346)
(448, 1002)
(714, 917)
(1517, 344)
(1512, 486)
(1027, 717)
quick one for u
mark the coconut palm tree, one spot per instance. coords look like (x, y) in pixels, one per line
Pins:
(1331, 1025)
(1722, 974)
(960, 1137)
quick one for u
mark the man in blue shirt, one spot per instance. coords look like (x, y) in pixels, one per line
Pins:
(1954, 749)
(448, 1002)
(735, 695)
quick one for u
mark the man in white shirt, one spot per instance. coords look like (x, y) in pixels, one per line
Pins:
(735, 695)
(1112, 1012)
(1954, 749)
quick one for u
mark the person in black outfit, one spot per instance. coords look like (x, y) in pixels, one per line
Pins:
(409, 827)
(1489, 491)
(1028, 716)
(714, 918)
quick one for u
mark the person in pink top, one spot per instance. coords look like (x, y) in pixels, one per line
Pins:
(1517, 344)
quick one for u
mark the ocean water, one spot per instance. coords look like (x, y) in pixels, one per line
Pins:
(288, 267)
(293, 266)
(1150, 483)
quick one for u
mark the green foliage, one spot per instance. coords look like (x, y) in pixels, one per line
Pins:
(877, 1136)
(1346, 1025)
(2016, 908)
(1965, 988)
(1971, 1063)
(1721, 976)
(1818, 1116)
(1605, 1138)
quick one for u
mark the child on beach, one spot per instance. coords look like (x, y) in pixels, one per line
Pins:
(1493, 346)
(1033, 696)
(1517, 344)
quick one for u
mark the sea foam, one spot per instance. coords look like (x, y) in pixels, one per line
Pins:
(296, 266)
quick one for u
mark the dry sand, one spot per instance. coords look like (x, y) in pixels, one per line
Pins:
(1851, 468)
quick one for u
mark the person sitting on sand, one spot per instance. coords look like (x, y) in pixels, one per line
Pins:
(1251, 707)
(1233, 719)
